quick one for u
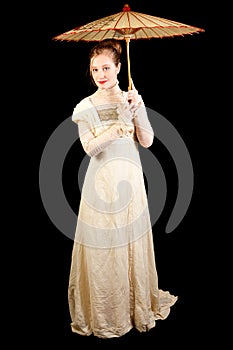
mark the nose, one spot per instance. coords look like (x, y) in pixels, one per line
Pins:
(101, 73)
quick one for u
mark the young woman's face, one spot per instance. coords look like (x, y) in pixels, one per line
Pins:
(104, 71)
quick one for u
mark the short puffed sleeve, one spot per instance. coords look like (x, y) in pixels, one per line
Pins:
(80, 111)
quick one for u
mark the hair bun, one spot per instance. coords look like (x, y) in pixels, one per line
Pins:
(114, 43)
(117, 45)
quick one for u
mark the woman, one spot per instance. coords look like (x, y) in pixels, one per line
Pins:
(113, 283)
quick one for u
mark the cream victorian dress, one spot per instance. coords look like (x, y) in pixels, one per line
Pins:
(113, 284)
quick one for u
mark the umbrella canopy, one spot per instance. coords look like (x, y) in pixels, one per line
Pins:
(128, 25)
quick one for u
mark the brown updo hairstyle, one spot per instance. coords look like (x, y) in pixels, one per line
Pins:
(111, 45)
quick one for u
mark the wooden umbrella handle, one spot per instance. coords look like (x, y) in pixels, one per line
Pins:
(127, 39)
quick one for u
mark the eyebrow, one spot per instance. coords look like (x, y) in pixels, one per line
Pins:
(104, 65)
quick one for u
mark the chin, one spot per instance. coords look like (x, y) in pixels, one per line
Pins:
(104, 86)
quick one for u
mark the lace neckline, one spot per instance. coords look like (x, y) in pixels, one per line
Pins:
(114, 90)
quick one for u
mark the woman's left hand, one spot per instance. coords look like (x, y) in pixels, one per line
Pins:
(128, 109)
(133, 96)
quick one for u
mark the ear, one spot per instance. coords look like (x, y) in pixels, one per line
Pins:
(118, 67)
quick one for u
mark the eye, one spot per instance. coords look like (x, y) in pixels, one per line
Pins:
(94, 70)
(106, 68)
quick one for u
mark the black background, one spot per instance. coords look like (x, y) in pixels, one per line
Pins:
(172, 76)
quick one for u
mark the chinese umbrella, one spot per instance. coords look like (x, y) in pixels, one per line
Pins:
(128, 25)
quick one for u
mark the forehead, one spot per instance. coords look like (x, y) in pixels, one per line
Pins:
(102, 59)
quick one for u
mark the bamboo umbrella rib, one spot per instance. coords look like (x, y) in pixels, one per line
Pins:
(104, 24)
(144, 20)
(151, 21)
(97, 24)
(116, 19)
(128, 18)
(145, 23)
(121, 22)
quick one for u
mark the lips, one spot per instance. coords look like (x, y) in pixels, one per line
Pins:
(102, 82)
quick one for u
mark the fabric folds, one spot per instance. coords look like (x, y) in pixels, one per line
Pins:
(113, 283)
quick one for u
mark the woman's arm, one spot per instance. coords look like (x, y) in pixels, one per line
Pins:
(92, 144)
(144, 131)
(138, 114)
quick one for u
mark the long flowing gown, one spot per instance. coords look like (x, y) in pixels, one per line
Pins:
(113, 284)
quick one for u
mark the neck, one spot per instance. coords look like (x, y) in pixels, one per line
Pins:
(111, 88)
(110, 95)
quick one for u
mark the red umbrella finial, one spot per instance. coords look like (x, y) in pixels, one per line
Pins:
(126, 8)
